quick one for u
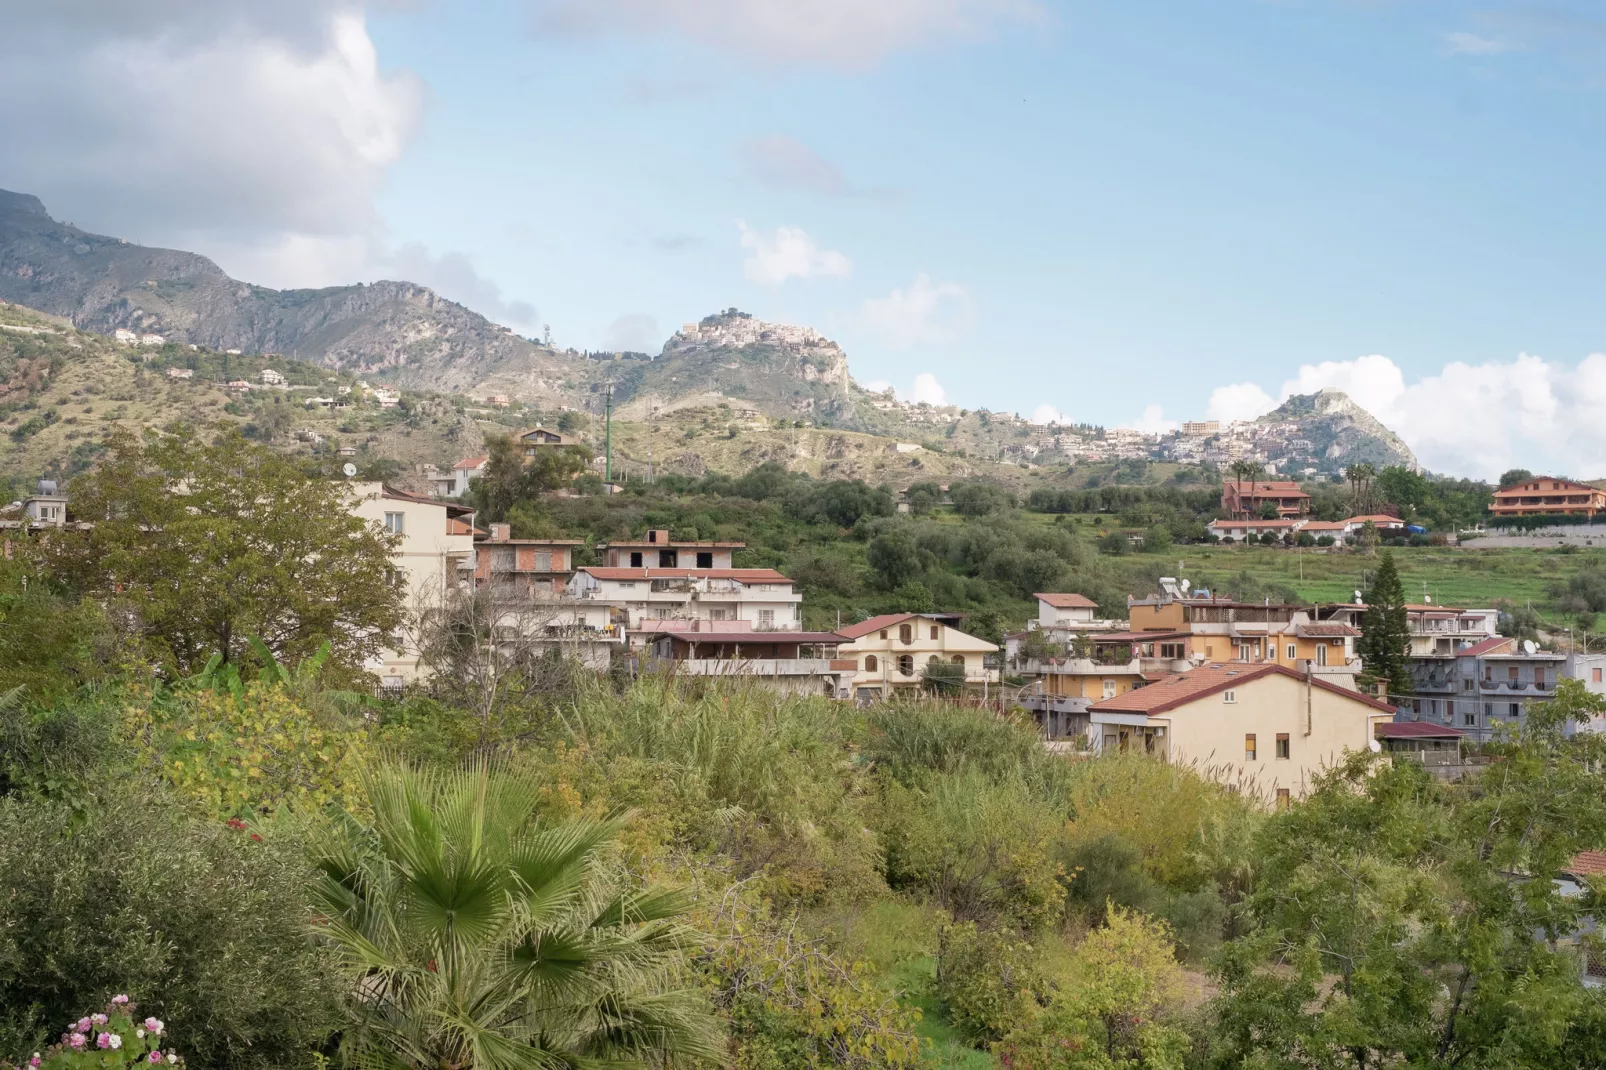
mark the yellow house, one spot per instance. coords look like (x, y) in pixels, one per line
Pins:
(1255, 632)
(1264, 729)
(1064, 688)
(894, 650)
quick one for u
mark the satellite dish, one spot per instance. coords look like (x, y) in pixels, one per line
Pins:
(1357, 598)
(1529, 646)
(349, 468)
(1185, 585)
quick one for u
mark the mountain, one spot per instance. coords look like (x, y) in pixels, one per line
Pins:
(1331, 432)
(397, 330)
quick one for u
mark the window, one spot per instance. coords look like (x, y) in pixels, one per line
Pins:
(936, 630)
(1249, 747)
(1282, 744)
(1466, 685)
(1283, 800)
(393, 523)
(958, 659)
(1470, 719)
(871, 664)
(766, 618)
(543, 561)
(1488, 709)
(883, 633)
(1246, 652)
(933, 660)
(1516, 711)
(1594, 676)
(1293, 652)
(1172, 651)
(906, 664)
(1109, 689)
(1230, 696)
(705, 559)
(635, 559)
(906, 633)
(668, 559)
(502, 560)
(1511, 674)
(629, 585)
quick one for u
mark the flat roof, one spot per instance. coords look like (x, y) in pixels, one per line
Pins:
(748, 575)
(735, 638)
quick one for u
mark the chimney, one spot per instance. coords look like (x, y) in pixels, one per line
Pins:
(501, 532)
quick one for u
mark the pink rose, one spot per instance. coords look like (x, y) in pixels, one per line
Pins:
(154, 1025)
(103, 1041)
(119, 999)
(82, 1026)
(155, 1057)
(97, 1019)
(76, 1041)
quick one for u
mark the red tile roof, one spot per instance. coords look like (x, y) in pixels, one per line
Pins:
(874, 624)
(1416, 730)
(1588, 864)
(733, 638)
(1493, 644)
(746, 575)
(1286, 522)
(1067, 601)
(1376, 519)
(1180, 689)
(1285, 488)
(470, 462)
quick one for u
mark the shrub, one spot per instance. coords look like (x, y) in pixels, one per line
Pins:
(206, 920)
(989, 980)
(113, 1039)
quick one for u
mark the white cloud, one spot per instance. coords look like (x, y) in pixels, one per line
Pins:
(1471, 44)
(1478, 420)
(924, 313)
(846, 33)
(256, 134)
(788, 254)
(1050, 414)
(928, 390)
(635, 332)
(1238, 401)
(1153, 421)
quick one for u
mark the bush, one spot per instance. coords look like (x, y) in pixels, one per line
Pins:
(113, 1039)
(988, 979)
(206, 920)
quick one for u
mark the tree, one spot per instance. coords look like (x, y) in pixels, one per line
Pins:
(980, 499)
(1360, 480)
(475, 936)
(894, 557)
(1269, 511)
(1403, 921)
(511, 477)
(207, 545)
(1515, 476)
(923, 497)
(1385, 642)
(1407, 490)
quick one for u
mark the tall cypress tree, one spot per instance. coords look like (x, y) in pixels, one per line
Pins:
(1385, 643)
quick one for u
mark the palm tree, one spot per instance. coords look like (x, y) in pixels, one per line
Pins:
(1360, 481)
(478, 938)
(1242, 470)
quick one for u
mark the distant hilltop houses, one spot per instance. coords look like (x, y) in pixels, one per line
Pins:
(738, 329)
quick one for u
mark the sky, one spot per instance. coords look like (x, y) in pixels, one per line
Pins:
(1127, 213)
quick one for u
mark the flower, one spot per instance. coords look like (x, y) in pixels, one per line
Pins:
(255, 837)
(35, 1060)
(172, 1056)
(154, 1025)
(115, 1042)
(81, 1027)
(98, 1019)
(140, 1032)
(76, 1041)
(119, 999)
(235, 823)
(155, 1056)
(103, 1041)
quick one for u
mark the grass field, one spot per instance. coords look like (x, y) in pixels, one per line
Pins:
(1450, 576)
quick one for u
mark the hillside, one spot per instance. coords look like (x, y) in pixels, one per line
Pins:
(403, 332)
(1338, 431)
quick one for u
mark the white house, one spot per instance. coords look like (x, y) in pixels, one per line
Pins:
(892, 653)
(126, 336)
(435, 557)
(454, 484)
(1070, 612)
(271, 377)
(180, 373)
(644, 599)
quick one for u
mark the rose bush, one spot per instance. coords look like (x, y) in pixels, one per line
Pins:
(114, 1039)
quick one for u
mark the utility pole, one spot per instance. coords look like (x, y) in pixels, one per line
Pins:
(607, 436)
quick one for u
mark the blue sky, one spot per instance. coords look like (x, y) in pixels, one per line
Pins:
(1127, 213)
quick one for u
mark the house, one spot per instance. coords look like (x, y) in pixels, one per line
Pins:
(270, 377)
(792, 663)
(658, 550)
(499, 400)
(539, 436)
(238, 384)
(1071, 612)
(1247, 501)
(1253, 632)
(527, 584)
(1332, 529)
(346, 451)
(455, 483)
(1264, 729)
(47, 507)
(648, 599)
(1481, 686)
(1438, 747)
(434, 558)
(180, 373)
(320, 403)
(126, 336)
(387, 399)
(1244, 530)
(1381, 521)
(1547, 496)
(894, 650)
(1064, 687)
(151, 340)
(1443, 631)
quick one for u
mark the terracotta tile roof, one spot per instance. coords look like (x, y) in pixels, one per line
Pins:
(1136, 637)
(1280, 523)
(470, 462)
(1180, 689)
(1492, 645)
(1587, 864)
(746, 575)
(1416, 730)
(1067, 601)
(1323, 525)
(1375, 518)
(1285, 488)
(874, 624)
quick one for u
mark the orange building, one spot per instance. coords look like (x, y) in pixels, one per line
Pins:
(1241, 503)
(1545, 495)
